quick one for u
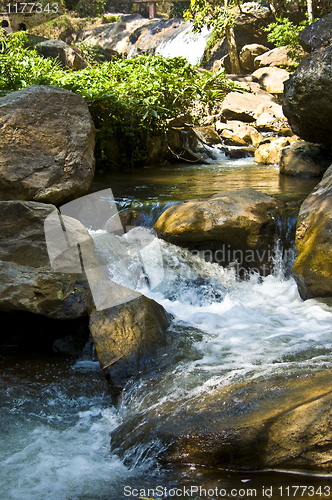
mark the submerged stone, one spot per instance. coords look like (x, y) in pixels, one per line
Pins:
(280, 422)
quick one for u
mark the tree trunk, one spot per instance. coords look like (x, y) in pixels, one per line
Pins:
(232, 49)
(310, 11)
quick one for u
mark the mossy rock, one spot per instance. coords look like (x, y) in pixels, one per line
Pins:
(313, 267)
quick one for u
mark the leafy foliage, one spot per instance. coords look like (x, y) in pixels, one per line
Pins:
(129, 100)
(86, 7)
(284, 32)
(21, 67)
(177, 8)
(211, 13)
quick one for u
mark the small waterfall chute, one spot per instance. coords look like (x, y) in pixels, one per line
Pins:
(185, 43)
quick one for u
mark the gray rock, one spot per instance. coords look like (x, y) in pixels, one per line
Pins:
(308, 97)
(316, 34)
(57, 49)
(127, 336)
(247, 55)
(27, 281)
(303, 159)
(46, 145)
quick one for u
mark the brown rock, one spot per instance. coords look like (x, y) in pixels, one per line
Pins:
(46, 145)
(233, 139)
(280, 57)
(127, 337)
(271, 79)
(303, 159)
(242, 107)
(270, 152)
(207, 135)
(248, 53)
(279, 422)
(240, 219)
(313, 267)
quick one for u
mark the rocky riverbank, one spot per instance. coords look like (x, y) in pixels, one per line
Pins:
(47, 143)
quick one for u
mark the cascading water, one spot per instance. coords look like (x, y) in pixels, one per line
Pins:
(56, 414)
(187, 44)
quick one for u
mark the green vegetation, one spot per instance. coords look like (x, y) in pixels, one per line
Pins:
(86, 7)
(284, 32)
(130, 100)
(176, 9)
(220, 16)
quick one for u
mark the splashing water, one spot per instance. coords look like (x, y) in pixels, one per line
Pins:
(187, 44)
(56, 427)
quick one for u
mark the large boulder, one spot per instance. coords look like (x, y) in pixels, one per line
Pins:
(66, 55)
(226, 227)
(247, 55)
(127, 337)
(243, 106)
(317, 34)
(308, 97)
(271, 79)
(278, 422)
(46, 145)
(27, 281)
(280, 57)
(302, 159)
(313, 267)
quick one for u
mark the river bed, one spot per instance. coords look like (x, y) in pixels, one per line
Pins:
(56, 413)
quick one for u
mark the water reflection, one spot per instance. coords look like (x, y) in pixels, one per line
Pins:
(180, 182)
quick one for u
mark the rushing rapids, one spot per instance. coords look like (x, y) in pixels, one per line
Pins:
(57, 414)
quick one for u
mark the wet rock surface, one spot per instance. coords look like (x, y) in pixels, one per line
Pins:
(127, 337)
(240, 220)
(27, 281)
(313, 267)
(278, 422)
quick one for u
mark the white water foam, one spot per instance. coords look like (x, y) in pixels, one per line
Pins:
(57, 446)
(186, 44)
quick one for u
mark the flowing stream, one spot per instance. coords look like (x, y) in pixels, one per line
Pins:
(56, 414)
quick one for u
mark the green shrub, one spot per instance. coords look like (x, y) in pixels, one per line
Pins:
(129, 100)
(177, 9)
(285, 33)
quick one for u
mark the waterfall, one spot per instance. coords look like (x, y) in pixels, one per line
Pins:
(187, 44)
